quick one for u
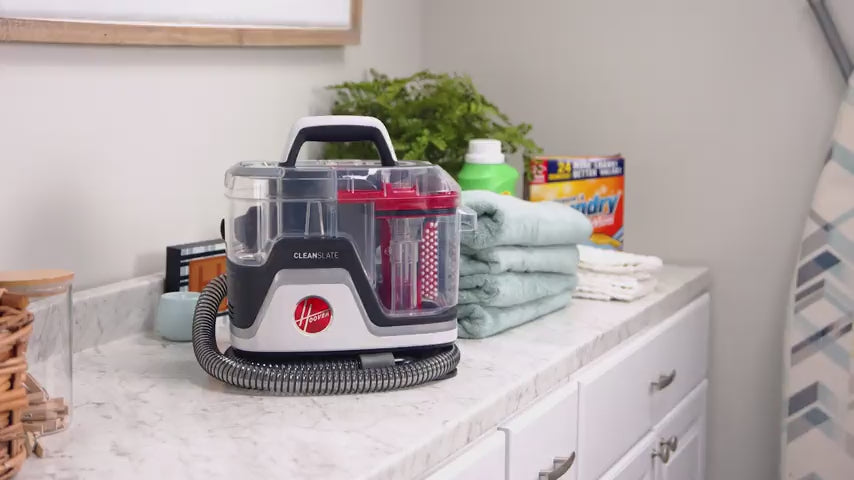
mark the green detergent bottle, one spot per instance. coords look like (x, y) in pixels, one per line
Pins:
(484, 169)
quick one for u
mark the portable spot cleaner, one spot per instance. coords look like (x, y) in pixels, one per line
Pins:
(342, 275)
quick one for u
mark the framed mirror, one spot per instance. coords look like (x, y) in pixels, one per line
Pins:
(188, 22)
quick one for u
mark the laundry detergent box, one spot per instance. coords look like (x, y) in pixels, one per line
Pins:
(592, 185)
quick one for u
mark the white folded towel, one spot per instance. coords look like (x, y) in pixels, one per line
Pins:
(614, 275)
(601, 260)
(603, 286)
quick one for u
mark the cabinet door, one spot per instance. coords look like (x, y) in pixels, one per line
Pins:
(681, 436)
(682, 356)
(635, 465)
(543, 438)
(615, 407)
(483, 460)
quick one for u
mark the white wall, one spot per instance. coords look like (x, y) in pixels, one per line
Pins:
(723, 109)
(108, 154)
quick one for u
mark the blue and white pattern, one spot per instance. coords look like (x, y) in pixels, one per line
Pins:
(819, 427)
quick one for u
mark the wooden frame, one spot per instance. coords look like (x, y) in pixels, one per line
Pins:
(103, 33)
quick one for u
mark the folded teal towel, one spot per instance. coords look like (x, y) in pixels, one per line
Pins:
(477, 321)
(506, 220)
(507, 289)
(555, 259)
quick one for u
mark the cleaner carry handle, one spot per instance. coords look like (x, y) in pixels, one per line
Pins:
(340, 128)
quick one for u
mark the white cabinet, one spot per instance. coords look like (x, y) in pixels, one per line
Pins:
(615, 408)
(635, 465)
(682, 438)
(484, 460)
(674, 450)
(543, 438)
(624, 394)
(637, 413)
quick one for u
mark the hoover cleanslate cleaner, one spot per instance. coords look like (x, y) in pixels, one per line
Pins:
(342, 275)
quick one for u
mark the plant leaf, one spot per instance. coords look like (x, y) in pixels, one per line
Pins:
(429, 116)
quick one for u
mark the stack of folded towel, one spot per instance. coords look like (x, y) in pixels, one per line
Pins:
(518, 264)
(613, 275)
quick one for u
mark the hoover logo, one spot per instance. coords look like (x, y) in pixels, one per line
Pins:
(312, 314)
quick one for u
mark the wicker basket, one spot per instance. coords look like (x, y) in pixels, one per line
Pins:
(16, 325)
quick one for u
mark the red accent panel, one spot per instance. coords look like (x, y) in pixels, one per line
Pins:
(428, 264)
(401, 198)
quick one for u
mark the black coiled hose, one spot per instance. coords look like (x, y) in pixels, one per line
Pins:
(305, 377)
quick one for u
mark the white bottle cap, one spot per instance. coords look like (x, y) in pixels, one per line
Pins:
(484, 151)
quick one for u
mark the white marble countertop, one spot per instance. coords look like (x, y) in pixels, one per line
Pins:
(144, 409)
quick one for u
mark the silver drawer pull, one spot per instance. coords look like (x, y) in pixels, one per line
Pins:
(664, 381)
(665, 448)
(561, 466)
(672, 443)
(663, 454)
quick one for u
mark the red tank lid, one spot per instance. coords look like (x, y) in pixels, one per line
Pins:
(391, 198)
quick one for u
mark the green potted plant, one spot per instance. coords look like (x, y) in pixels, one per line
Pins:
(429, 116)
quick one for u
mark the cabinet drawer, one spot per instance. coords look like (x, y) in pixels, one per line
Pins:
(615, 407)
(484, 459)
(624, 394)
(544, 437)
(682, 351)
